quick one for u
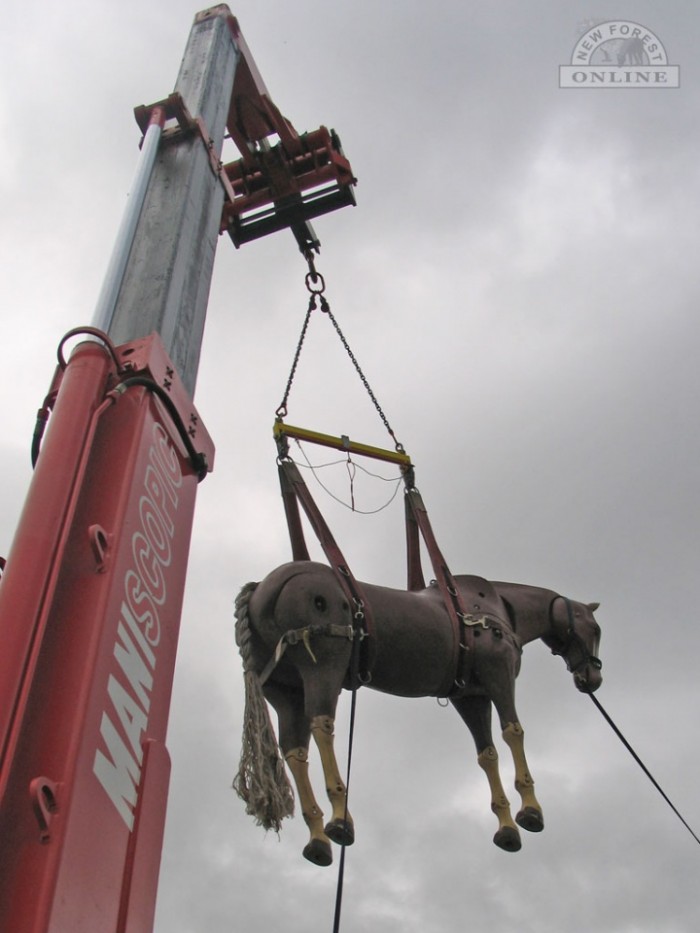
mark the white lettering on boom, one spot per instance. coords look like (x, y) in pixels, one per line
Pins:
(130, 685)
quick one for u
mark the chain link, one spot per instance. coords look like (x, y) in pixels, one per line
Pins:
(282, 408)
(316, 285)
(325, 307)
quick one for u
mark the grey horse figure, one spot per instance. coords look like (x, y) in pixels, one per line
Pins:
(295, 632)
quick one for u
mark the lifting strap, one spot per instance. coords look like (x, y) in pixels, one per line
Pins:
(418, 523)
(295, 491)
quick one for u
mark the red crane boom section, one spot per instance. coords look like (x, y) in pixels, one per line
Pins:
(91, 596)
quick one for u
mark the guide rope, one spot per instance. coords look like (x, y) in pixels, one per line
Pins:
(641, 764)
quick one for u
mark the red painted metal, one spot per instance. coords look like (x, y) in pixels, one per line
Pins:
(90, 605)
(91, 595)
(253, 115)
(174, 109)
(316, 161)
(273, 186)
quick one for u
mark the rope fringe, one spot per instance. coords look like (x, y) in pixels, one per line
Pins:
(261, 781)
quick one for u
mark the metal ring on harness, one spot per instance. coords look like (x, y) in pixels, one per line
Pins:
(500, 629)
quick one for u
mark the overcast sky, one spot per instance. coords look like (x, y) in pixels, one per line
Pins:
(520, 283)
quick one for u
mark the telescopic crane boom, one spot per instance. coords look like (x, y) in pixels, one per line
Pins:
(91, 597)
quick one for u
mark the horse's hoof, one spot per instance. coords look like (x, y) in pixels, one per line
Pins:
(318, 852)
(341, 832)
(530, 819)
(508, 838)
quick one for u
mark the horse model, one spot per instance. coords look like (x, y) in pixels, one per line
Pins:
(295, 633)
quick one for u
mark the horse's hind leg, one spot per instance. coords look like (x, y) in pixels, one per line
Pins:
(318, 848)
(294, 736)
(322, 663)
(530, 816)
(340, 828)
(476, 712)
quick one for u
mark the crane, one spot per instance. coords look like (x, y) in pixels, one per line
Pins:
(91, 594)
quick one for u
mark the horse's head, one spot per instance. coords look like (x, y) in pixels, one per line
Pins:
(575, 635)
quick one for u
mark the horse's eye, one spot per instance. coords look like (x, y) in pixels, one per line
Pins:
(320, 603)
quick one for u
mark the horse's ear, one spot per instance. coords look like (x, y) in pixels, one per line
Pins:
(593, 606)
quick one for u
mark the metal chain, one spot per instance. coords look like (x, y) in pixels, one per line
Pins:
(282, 408)
(316, 285)
(325, 307)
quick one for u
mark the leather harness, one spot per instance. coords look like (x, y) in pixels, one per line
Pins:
(481, 610)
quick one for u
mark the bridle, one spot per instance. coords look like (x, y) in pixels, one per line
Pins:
(573, 648)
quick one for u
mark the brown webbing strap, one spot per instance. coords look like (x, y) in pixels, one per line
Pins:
(463, 638)
(416, 580)
(291, 511)
(295, 489)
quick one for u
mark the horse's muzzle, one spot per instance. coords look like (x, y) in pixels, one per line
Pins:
(589, 677)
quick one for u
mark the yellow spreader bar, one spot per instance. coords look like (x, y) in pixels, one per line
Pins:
(343, 442)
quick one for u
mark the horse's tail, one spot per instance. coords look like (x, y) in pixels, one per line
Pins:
(261, 780)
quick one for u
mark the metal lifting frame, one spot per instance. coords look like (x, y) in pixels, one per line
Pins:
(285, 185)
(281, 431)
(91, 596)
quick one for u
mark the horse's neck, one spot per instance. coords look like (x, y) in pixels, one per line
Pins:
(529, 608)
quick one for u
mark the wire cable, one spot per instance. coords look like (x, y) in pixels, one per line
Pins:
(351, 505)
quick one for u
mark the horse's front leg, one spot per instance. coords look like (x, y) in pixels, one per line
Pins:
(476, 712)
(530, 815)
(501, 670)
